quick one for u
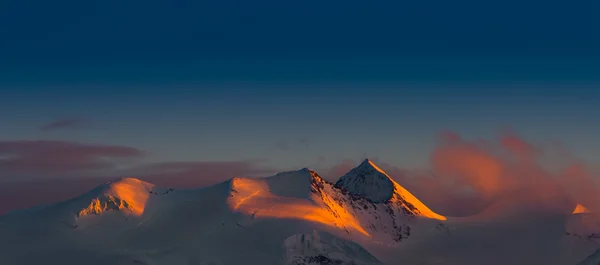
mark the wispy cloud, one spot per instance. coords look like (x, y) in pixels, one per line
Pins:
(42, 158)
(201, 173)
(62, 124)
(289, 144)
(39, 172)
(46, 159)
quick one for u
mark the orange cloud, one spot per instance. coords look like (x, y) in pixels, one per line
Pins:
(469, 165)
(498, 170)
(468, 176)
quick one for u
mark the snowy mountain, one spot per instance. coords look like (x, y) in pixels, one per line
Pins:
(323, 248)
(318, 200)
(368, 181)
(292, 217)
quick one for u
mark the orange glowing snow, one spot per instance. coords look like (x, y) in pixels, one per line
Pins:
(97, 207)
(127, 193)
(134, 192)
(580, 209)
(407, 196)
(254, 198)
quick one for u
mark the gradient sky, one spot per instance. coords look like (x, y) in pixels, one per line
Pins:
(296, 84)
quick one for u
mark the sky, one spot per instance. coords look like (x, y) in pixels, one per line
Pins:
(201, 91)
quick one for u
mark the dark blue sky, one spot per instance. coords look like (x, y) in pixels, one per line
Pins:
(227, 80)
(170, 41)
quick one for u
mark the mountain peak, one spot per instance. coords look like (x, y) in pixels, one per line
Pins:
(366, 163)
(367, 160)
(580, 209)
(369, 181)
(125, 193)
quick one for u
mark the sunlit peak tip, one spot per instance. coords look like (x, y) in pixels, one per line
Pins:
(308, 170)
(366, 163)
(369, 163)
(125, 179)
(580, 209)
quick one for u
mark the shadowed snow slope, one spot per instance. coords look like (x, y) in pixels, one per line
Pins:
(585, 226)
(582, 234)
(323, 248)
(593, 259)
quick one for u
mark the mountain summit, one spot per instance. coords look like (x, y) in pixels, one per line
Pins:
(290, 218)
(128, 221)
(304, 195)
(369, 181)
(128, 194)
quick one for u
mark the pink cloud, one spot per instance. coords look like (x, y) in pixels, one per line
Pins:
(64, 124)
(44, 158)
(495, 176)
(498, 172)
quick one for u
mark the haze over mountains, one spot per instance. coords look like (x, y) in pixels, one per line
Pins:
(293, 217)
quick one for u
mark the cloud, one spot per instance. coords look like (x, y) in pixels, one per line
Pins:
(283, 145)
(65, 124)
(201, 173)
(42, 158)
(56, 159)
(23, 194)
(512, 174)
(501, 176)
(286, 144)
(465, 177)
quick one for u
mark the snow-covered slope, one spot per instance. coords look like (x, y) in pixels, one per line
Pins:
(293, 217)
(582, 234)
(593, 259)
(240, 221)
(585, 226)
(323, 248)
(305, 195)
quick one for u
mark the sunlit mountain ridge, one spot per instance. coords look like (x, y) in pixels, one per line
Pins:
(293, 217)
